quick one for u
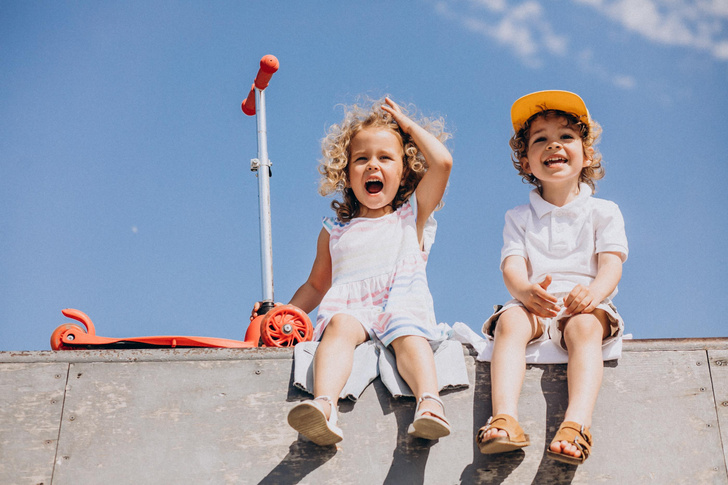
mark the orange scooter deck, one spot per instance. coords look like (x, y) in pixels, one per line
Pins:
(283, 326)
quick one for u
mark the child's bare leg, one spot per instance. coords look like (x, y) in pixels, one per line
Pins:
(583, 336)
(334, 357)
(416, 365)
(515, 328)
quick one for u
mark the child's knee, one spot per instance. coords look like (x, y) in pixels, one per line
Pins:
(407, 343)
(517, 322)
(346, 328)
(584, 327)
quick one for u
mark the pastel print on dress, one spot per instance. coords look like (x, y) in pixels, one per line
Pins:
(379, 276)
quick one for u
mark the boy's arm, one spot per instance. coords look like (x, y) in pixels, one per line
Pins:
(584, 299)
(310, 294)
(533, 295)
(439, 163)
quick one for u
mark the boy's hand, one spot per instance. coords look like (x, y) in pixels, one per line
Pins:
(539, 301)
(585, 299)
(402, 119)
(581, 299)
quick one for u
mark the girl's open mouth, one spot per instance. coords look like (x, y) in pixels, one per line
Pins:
(374, 186)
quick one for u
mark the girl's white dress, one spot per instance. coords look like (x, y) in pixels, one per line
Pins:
(379, 278)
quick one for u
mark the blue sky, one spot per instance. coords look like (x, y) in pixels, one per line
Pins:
(125, 188)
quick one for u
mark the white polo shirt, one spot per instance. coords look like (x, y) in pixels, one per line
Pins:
(564, 241)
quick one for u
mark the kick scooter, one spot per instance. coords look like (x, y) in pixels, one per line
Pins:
(275, 326)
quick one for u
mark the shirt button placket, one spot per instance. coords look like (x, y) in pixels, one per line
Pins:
(557, 224)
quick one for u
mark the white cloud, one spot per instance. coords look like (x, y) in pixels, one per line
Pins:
(523, 28)
(492, 5)
(626, 82)
(587, 65)
(699, 25)
(720, 51)
(716, 7)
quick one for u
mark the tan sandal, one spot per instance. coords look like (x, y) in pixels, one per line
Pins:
(573, 433)
(309, 419)
(515, 440)
(429, 425)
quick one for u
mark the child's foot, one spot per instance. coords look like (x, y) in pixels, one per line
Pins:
(310, 419)
(430, 422)
(494, 433)
(572, 444)
(500, 434)
(565, 448)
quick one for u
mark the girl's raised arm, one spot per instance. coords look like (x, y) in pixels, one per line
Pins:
(439, 161)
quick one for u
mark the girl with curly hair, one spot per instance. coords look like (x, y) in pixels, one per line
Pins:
(368, 278)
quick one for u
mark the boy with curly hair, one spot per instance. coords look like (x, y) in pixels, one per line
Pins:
(561, 262)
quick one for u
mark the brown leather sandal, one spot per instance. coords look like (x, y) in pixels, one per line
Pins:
(577, 434)
(515, 440)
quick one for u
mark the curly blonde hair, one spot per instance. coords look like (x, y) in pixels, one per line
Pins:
(335, 148)
(588, 131)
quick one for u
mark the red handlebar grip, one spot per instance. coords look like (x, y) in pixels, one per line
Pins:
(249, 103)
(268, 66)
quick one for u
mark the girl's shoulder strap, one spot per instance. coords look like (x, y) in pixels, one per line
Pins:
(328, 224)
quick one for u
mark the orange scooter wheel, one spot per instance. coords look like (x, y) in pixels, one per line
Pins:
(285, 326)
(67, 330)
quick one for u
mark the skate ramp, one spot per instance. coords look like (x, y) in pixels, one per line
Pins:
(219, 416)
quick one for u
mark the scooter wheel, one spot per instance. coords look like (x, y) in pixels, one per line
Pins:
(67, 330)
(285, 326)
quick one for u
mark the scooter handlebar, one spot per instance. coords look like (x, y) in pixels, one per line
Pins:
(268, 66)
(249, 103)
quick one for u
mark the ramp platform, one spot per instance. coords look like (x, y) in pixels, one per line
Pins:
(219, 416)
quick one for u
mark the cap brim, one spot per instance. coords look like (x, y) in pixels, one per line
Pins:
(533, 103)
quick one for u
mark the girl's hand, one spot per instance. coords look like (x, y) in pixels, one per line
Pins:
(539, 301)
(256, 307)
(438, 160)
(581, 299)
(402, 119)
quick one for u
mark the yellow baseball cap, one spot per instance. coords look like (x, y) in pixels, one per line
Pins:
(533, 103)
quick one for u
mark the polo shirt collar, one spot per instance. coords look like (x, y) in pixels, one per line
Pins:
(542, 208)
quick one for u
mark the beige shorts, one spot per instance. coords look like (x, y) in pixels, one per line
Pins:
(550, 326)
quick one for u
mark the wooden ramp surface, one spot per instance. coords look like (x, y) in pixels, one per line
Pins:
(219, 417)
